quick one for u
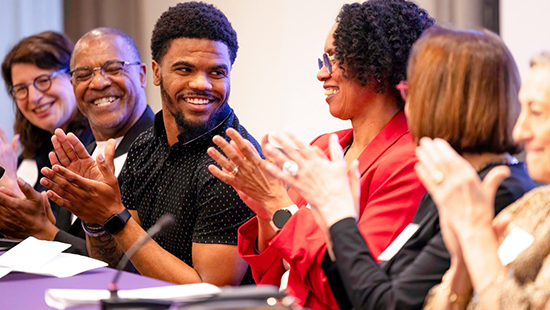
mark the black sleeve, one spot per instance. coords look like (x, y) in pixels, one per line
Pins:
(335, 282)
(370, 287)
(359, 282)
(78, 245)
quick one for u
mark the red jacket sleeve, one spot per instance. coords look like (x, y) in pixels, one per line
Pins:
(390, 193)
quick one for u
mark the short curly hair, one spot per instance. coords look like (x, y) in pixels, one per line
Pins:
(197, 20)
(373, 40)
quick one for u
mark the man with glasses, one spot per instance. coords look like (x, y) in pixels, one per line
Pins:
(109, 84)
(109, 78)
(194, 47)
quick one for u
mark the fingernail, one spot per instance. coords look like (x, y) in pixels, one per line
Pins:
(20, 181)
(100, 158)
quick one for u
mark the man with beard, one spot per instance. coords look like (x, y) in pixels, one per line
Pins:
(193, 48)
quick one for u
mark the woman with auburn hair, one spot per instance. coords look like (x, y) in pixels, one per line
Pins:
(36, 74)
(505, 261)
(462, 88)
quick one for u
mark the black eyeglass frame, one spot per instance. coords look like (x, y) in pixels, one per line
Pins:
(15, 89)
(76, 80)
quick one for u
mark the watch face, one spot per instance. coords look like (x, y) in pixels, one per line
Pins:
(114, 224)
(280, 217)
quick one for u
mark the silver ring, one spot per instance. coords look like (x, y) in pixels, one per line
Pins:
(438, 177)
(291, 168)
(234, 171)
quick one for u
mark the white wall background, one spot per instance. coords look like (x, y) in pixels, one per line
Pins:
(274, 85)
(273, 80)
(525, 27)
(18, 19)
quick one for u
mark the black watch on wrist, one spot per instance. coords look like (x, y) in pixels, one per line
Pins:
(116, 222)
(280, 217)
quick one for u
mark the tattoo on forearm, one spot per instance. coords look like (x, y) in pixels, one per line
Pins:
(106, 249)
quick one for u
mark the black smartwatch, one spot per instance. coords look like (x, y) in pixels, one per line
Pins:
(116, 222)
(281, 216)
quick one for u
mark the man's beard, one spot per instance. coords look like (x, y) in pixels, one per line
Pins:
(189, 130)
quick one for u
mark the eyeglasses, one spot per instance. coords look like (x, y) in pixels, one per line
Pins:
(327, 62)
(111, 68)
(403, 88)
(41, 83)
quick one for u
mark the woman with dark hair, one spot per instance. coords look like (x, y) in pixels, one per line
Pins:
(365, 56)
(462, 88)
(36, 74)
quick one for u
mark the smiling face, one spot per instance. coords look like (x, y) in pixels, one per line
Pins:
(47, 110)
(194, 77)
(112, 103)
(533, 125)
(346, 97)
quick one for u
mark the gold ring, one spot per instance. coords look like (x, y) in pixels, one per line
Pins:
(234, 171)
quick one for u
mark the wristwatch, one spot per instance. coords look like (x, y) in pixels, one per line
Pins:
(116, 222)
(281, 216)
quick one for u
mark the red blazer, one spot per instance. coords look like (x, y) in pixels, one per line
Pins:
(390, 193)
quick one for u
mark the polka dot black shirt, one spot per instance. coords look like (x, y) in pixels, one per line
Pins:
(159, 179)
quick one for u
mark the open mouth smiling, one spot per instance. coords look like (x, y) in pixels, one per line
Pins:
(199, 101)
(331, 91)
(103, 101)
(42, 108)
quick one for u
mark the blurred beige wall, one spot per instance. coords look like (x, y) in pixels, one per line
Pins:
(274, 85)
(273, 81)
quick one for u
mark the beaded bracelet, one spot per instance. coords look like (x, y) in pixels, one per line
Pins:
(93, 230)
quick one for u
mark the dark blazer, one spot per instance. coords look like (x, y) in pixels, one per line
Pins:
(403, 282)
(75, 235)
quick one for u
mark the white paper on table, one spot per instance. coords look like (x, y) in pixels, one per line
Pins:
(67, 298)
(45, 258)
(67, 265)
(516, 242)
(4, 271)
(398, 242)
(31, 253)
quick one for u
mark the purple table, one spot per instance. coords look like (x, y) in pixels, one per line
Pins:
(26, 291)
